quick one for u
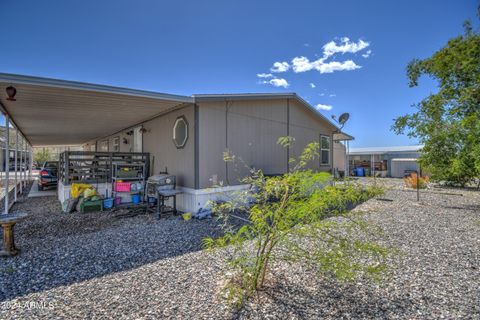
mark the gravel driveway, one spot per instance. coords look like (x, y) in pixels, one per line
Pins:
(112, 266)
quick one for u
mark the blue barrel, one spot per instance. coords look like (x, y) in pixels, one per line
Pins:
(136, 198)
(360, 172)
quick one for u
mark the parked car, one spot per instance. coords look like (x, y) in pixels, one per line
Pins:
(48, 175)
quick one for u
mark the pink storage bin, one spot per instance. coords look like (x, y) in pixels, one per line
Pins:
(122, 186)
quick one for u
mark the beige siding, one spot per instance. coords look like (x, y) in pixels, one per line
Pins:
(339, 156)
(212, 143)
(158, 141)
(307, 127)
(250, 130)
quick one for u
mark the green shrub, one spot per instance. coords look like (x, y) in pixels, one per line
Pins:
(288, 223)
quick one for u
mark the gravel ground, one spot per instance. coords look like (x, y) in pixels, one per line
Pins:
(101, 265)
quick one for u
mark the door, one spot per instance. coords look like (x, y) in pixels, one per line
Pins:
(137, 139)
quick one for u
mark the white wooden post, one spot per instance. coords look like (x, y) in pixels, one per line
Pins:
(15, 164)
(347, 163)
(7, 163)
(30, 162)
(21, 165)
(25, 162)
(372, 164)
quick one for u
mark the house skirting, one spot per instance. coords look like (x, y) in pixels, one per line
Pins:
(189, 201)
(194, 199)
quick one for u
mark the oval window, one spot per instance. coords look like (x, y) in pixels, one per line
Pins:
(180, 132)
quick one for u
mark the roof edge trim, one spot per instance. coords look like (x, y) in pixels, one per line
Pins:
(76, 85)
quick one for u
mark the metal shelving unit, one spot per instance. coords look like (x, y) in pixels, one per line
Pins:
(139, 170)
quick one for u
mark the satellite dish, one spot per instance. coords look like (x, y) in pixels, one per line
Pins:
(343, 118)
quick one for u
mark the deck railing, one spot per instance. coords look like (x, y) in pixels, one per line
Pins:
(95, 167)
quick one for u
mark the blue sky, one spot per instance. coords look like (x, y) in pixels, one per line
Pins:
(188, 47)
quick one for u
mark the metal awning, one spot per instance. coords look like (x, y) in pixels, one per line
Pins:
(58, 112)
(342, 136)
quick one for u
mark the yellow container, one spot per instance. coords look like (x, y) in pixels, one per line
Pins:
(187, 216)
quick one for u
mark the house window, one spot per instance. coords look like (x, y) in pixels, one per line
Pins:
(324, 150)
(116, 144)
(104, 145)
(180, 132)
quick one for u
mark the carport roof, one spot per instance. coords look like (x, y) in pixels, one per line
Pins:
(383, 150)
(59, 112)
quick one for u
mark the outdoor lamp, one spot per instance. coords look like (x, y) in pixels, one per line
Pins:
(11, 92)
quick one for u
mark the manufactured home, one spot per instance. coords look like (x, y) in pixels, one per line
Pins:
(183, 135)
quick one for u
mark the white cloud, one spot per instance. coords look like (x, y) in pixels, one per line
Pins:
(332, 95)
(323, 107)
(321, 94)
(345, 46)
(367, 54)
(333, 66)
(306, 44)
(279, 82)
(264, 75)
(280, 67)
(268, 78)
(303, 64)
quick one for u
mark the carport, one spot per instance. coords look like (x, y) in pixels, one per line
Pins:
(44, 112)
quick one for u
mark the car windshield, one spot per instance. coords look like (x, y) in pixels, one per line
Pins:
(50, 165)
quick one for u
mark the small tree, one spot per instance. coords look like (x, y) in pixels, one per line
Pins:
(287, 222)
(42, 155)
(448, 122)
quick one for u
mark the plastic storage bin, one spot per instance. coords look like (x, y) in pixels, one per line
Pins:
(91, 206)
(360, 172)
(118, 201)
(122, 186)
(108, 203)
(136, 198)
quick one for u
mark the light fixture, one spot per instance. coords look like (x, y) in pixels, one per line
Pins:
(11, 92)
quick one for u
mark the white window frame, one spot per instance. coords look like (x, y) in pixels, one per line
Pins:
(325, 149)
(137, 139)
(103, 144)
(116, 144)
(182, 144)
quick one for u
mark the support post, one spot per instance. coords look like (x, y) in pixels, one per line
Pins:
(7, 164)
(30, 163)
(347, 173)
(21, 165)
(15, 164)
(25, 162)
(418, 185)
(345, 167)
(372, 165)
